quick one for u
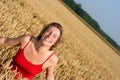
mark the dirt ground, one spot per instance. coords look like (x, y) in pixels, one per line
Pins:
(83, 55)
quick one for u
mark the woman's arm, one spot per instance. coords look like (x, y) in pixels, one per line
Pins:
(49, 73)
(50, 70)
(5, 41)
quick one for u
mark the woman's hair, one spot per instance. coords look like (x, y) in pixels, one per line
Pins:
(54, 24)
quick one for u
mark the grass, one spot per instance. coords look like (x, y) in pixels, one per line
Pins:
(82, 55)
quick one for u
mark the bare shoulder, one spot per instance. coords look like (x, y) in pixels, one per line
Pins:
(54, 58)
(33, 38)
(24, 39)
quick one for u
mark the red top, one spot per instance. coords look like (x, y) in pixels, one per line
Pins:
(26, 68)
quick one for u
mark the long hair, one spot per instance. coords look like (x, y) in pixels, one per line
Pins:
(54, 24)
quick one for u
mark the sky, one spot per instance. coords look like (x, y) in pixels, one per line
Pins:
(106, 13)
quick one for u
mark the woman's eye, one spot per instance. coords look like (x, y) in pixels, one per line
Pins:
(55, 36)
(48, 31)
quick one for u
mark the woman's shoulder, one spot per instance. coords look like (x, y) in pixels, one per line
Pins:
(28, 37)
(24, 39)
(54, 58)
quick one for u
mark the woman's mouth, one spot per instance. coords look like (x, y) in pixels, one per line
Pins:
(48, 39)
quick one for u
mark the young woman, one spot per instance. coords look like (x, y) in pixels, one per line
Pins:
(36, 54)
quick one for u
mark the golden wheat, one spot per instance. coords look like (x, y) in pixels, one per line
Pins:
(82, 54)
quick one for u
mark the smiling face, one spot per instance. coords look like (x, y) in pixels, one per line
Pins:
(50, 36)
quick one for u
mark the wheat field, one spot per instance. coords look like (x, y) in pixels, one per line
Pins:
(83, 55)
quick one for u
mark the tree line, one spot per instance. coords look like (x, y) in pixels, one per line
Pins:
(77, 8)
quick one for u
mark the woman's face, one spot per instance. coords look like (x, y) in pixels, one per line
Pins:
(50, 36)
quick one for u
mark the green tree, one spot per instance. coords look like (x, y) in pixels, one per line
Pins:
(83, 14)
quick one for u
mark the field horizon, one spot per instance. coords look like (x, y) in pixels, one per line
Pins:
(83, 54)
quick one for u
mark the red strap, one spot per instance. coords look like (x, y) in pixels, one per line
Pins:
(47, 58)
(27, 43)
